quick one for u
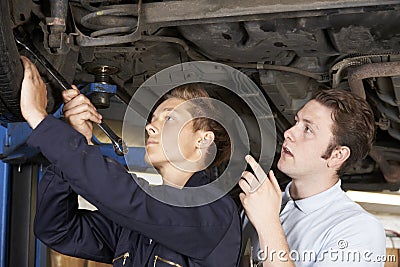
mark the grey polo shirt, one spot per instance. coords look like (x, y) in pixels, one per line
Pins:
(329, 229)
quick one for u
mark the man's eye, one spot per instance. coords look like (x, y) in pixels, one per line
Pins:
(169, 118)
(308, 129)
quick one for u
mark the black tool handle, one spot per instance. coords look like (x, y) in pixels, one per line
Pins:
(45, 63)
(119, 145)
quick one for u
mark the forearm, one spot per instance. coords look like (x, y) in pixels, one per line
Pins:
(60, 225)
(274, 247)
(56, 207)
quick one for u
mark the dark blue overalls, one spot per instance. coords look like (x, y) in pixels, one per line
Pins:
(130, 227)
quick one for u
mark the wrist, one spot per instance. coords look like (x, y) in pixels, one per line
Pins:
(36, 118)
(268, 228)
(269, 222)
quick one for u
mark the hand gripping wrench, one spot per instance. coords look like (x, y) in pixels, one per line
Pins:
(119, 145)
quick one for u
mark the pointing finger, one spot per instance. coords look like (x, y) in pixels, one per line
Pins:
(258, 171)
(251, 180)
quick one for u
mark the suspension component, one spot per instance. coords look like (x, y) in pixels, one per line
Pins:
(100, 91)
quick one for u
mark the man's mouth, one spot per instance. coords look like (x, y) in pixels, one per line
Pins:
(286, 151)
(151, 142)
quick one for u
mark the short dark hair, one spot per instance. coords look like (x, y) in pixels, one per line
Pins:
(221, 138)
(353, 124)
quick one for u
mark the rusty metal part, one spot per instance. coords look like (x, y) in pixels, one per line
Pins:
(152, 16)
(262, 66)
(97, 40)
(338, 71)
(383, 69)
(205, 11)
(111, 17)
(390, 168)
(56, 23)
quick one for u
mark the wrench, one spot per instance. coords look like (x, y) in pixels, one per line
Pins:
(119, 145)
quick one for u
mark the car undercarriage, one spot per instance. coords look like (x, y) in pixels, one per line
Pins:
(288, 48)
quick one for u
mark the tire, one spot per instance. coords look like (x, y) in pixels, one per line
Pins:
(11, 70)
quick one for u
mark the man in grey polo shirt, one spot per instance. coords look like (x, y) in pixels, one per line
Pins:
(314, 223)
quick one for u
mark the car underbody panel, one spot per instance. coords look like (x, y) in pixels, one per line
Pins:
(289, 48)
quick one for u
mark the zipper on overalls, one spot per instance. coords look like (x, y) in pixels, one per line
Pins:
(125, 256)
(156, 258)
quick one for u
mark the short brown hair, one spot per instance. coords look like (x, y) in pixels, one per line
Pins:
(353, 124)
(221, 137)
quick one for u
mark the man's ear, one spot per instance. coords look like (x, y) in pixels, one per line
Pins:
(205, 139)
(338, 157)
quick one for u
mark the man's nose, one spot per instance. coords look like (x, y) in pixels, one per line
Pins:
(151, 129)
(289, 135)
